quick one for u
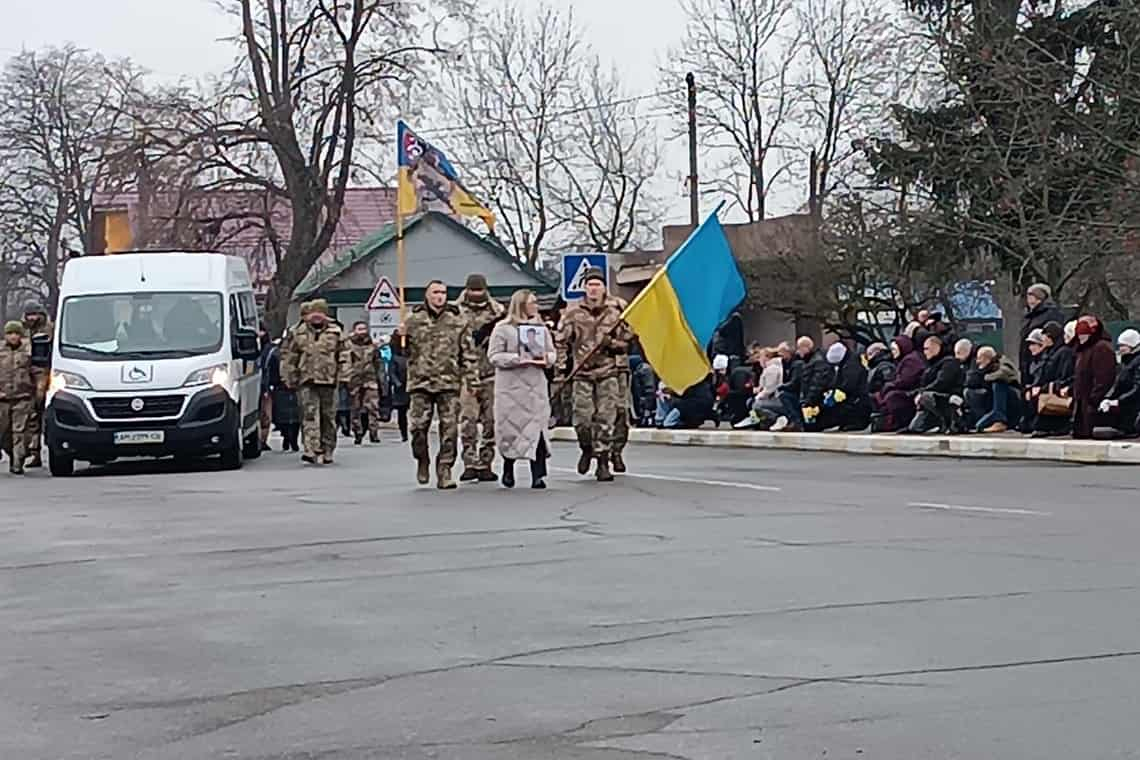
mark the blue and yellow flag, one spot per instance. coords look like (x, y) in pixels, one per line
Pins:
(427, 181)
(677, 313)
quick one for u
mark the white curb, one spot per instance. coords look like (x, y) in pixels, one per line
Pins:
(890, 444)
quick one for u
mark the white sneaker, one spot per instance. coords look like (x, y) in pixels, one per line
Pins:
(752, 420)
(779, 425)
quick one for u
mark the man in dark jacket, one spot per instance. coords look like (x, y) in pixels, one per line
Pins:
(694, 407)
(816, 379)
(846, 403)
(789, 394)
(1002, 382)
(941, 388)
(1039, 309)
(1122, 403)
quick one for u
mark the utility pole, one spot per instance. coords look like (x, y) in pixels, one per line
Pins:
(694, 193)
(813, 185)
(760, 189)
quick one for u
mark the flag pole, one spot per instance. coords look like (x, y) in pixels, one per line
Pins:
(401, 262)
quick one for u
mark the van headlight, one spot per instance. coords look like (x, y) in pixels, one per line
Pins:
(217, 375)
(67, 380)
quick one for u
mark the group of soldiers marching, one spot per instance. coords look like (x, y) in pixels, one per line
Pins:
(23, 389)
(449, 375)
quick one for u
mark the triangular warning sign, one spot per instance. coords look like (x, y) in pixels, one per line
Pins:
(383, 296)
(578, 281)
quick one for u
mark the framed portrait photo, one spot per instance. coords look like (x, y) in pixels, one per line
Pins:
(532, 342)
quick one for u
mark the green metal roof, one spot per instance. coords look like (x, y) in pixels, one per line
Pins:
(321, 274)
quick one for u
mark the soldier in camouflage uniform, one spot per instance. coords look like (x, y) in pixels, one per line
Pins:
(313, 365)
(39, 328)
(362, 357)
(17, 394)
(441, 356)
(594, 323)
(477, 401)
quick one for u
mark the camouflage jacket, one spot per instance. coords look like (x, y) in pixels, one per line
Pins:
(582, 328)
(362, 361)
(314, 357)
(441, 354)
(17, 377)
(481, 319)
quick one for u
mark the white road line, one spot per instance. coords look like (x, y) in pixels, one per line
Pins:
(694, 481)
(988, 510)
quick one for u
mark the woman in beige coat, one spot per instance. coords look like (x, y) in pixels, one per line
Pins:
(521, 348)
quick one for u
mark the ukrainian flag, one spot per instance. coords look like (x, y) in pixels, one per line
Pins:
(418, 159)
(677, 313)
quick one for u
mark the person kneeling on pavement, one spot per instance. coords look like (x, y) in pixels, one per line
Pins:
(693, 408)
(1003, 383)
(802, 392)
(769, 371)
(1122, 404)
(846, 404)
(939, 397)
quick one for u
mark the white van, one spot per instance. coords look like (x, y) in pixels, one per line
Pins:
(155, 355)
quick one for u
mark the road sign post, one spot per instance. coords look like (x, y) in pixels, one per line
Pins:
(574, 269)
(383, 309)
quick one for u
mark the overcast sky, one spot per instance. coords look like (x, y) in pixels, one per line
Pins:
(175, 38)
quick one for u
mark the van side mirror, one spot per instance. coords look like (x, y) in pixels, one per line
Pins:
(246, 345)
(41, 351)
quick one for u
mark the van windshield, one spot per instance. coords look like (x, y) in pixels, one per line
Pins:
(124, 326)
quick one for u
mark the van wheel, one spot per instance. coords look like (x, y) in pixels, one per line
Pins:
(60, 466)
(252, 449)
(232, 456)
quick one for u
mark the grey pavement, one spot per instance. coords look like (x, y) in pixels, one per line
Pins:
(716, 604)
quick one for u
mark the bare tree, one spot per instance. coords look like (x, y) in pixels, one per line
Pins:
(315, 76)
(743, 53)
(63, 120)
(604, 192)
(511, 93)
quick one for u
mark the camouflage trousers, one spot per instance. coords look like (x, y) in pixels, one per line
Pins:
(621, 420)
(423, 405)
(477, 410)
(318, 419)
(365, 401)
(14, 417)
(595, 408)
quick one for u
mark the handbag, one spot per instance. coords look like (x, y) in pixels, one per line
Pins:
(1052, 405)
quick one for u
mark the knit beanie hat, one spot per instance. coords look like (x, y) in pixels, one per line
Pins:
(1129, 338)
(720, 362)
(14, 327)
(1041, 290)
(476, 282)
(837, 353)
(1055, 332)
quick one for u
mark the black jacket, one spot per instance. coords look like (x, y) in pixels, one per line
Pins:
(943, 375)
(818, 377)
(1126, 389)
(696, 404)
(851, 378)
(398, 380)
(1058, 368)
(1035, 319)
(793, 376)
(882, 371)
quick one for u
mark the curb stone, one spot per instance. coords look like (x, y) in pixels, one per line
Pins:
(888, 444)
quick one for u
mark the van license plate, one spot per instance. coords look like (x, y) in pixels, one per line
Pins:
(139, 437)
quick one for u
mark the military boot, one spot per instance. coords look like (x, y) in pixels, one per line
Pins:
(603, 472)
(358, 439)
(444, 481)
(487, 475)
(373, 437)
(585, 459)
(34, 461)
(423, 471)
(618, 462)
(470, 475)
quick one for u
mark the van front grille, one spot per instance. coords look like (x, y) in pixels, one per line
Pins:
(124, 407)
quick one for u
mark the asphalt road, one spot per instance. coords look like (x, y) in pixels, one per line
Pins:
(721, 604)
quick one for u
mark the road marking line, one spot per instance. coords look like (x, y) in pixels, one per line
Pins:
(694, 481)
(988, 510)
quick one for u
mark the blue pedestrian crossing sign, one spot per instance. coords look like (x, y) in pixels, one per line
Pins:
(574, 269)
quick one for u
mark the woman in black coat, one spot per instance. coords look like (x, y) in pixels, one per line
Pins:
(398, 384)
(1056, 377)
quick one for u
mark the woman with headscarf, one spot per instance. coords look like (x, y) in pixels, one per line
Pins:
(1094, 374)
(522, 396)
(897, 397)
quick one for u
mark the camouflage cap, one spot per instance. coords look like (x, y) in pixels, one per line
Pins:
(595, 273)
(306, 308)
(320, 306)
(15, 326)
